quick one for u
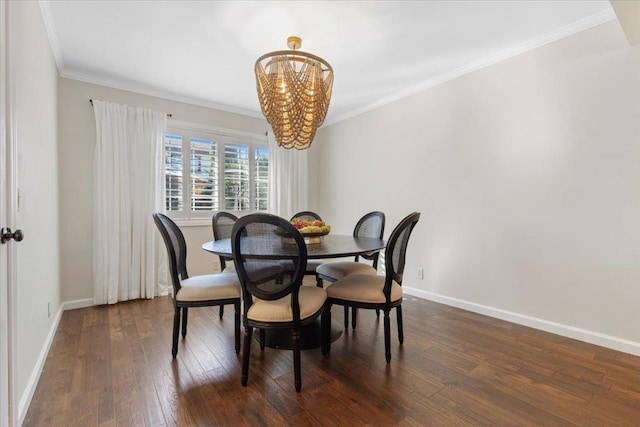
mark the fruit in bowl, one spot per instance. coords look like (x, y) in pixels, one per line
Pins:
(310, 227)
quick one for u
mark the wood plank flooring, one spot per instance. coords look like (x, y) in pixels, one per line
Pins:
(112, 366)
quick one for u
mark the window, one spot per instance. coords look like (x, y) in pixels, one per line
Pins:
(208, 170)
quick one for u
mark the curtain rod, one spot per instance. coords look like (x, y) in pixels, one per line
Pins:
(91, 102)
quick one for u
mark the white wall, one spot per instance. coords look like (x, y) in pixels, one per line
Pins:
(76, 147)
(35, 113)
(527, 175)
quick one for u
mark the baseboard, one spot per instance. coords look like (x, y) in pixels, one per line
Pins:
(591, 337)
(30, 389)
(25, 401)
(79, 303)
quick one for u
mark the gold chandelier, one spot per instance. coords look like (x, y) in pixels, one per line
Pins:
(294, 89)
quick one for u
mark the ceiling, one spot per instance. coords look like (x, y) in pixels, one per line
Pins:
(204, 52)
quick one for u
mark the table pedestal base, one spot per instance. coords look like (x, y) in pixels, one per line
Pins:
(309, 336)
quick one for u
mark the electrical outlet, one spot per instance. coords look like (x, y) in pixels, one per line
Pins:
(421, 273)
(48, 309)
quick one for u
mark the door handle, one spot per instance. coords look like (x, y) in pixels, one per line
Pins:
(6, 235)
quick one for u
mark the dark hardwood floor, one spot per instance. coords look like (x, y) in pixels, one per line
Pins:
(111, 365)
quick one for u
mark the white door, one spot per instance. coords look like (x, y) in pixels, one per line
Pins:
(4, 345)
(8, 407)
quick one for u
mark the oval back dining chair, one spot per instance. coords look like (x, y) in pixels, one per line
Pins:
(312, 264)
(270, 256)
(307, 216)
(370, 225)
(379, 292)
(197, 291)
(222, 225)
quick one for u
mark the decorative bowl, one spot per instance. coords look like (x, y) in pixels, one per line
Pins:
(311, 233)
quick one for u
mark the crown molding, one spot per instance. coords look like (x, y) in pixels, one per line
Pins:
(566, 31)
(50, 27)
(47, 17)
(145, 90)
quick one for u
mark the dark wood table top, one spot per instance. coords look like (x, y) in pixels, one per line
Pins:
(331, 246)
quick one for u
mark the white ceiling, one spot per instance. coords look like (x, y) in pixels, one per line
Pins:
(204, 52)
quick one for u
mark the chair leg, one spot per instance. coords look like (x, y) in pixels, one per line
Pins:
(263, 336)
(237, 325)
(354, 312)
(319, 282)
(185, 312)
(400, 331)
(176, 331)
(296, 360)
(221, 311)
(325, 327)
(378, 313)
(346, 317)
(387, 335)
(246, 354)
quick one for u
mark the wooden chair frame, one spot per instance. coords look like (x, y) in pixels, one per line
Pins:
(392, 274)
(371, 257)
(178, 272)
(295, 278)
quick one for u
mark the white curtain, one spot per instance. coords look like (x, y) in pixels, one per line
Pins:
(288, 180)
(129, 261)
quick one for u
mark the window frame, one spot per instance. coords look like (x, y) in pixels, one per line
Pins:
(221, 137)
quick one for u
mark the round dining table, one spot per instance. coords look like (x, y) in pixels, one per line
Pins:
(329, 246)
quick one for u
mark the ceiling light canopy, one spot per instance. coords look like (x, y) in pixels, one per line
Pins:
(294, 90)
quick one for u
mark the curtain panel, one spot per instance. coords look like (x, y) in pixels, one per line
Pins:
(129, 261)
(288, 180)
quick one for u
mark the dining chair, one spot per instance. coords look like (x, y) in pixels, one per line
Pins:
(197, 291)
(368, 291)
(370, 225)
(312, 264)
(222, 224)
(273, 295)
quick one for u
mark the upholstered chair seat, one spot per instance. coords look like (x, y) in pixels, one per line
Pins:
(312, 299)
(363, 288)
(209, 287)
(342, 269)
